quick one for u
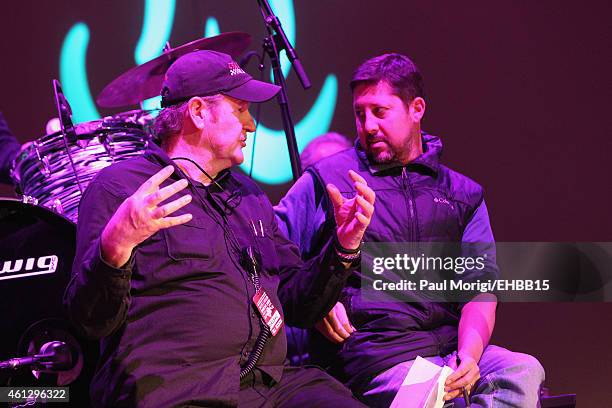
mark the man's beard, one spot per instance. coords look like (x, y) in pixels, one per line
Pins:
(390, 154)
(382, 157)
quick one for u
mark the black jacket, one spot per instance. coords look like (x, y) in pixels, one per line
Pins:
(178, 321)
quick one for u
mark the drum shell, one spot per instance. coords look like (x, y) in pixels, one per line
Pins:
(56, 168)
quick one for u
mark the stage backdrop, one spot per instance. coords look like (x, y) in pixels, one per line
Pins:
(518, 90)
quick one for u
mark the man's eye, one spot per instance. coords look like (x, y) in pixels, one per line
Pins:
(379, 111)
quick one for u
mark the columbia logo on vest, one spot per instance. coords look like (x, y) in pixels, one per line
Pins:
(443, 201)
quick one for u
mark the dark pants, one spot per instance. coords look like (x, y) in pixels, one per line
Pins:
(299, 387)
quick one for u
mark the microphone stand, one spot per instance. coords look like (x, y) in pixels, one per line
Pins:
(273, 44)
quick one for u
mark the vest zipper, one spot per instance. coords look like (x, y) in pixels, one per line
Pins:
(408, 190)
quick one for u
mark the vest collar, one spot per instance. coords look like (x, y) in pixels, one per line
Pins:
(430, 159)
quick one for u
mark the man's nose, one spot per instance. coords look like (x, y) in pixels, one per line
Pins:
(249, 123)
(370, 124)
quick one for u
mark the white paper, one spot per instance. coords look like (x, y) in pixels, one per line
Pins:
(423, 386)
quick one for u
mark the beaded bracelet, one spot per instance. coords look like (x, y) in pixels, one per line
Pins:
(343, 250)
(348, 258)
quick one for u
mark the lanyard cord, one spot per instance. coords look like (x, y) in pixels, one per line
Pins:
(223, 223)
(251, 264)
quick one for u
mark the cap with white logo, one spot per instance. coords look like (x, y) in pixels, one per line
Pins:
(206, 73)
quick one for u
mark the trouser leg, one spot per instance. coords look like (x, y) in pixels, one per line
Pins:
(310, 387)
(508, 379)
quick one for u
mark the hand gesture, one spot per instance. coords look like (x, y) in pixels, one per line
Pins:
(352, 215)
(336, 326)
(140, 216)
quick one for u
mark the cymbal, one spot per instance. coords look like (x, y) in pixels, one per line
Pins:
(145, 81)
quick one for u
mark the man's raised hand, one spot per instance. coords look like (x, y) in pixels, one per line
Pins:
(141, 216)
(352, 215)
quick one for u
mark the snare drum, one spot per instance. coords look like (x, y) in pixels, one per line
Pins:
(55, 169)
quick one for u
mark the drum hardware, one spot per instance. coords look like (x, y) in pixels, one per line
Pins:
(107, 146)
(64, 113)
(26, 199)
(43, 170)
(57, 206)
(43, 163)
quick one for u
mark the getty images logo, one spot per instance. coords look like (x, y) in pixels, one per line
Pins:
(32, 266)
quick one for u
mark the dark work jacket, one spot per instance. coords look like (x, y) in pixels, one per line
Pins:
(422, 201)
(177, 322)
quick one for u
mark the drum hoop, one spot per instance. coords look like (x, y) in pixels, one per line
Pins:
(42, 212)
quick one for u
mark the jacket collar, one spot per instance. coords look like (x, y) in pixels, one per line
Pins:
(430, 159)
(155, 154)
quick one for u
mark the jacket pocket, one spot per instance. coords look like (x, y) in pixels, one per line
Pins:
(191, 240)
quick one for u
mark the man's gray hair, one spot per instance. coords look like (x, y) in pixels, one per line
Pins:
(170, 120)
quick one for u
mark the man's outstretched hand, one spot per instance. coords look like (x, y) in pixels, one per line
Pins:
(352, 215)
(141, 216)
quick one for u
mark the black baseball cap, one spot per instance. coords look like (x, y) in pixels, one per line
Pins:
(206, 73)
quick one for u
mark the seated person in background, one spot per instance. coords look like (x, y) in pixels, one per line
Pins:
(323, 146)
(371, 346)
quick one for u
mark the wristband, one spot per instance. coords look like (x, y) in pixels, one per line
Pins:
(342, 250)
(348, 258)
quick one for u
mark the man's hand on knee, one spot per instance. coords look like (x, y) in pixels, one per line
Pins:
(465, 376)
(336, 326)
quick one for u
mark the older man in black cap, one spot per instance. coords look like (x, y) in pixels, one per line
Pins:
(190, 292)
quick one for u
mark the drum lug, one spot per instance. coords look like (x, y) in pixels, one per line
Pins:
(43, 162)
(57, 206)
(83, 143)
(26, 199)
(15, 173)
(108, 146)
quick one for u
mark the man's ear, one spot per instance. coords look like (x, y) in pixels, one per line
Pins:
(417, 108)
(196, 109)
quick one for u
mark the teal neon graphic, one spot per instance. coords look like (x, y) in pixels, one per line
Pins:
(73, 74)
(212, 27)
(156, 29)
(271, 157)
(272, 165)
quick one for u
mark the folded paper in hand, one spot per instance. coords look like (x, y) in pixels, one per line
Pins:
(423, 386)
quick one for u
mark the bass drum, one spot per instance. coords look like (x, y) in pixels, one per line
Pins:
(37, 249)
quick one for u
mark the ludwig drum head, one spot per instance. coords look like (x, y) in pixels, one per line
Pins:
(36, 253)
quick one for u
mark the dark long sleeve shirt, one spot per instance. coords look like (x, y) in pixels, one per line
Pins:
(178, 320)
